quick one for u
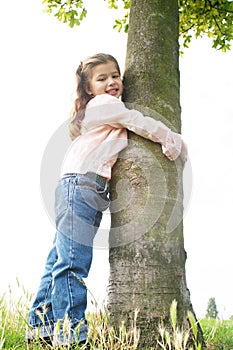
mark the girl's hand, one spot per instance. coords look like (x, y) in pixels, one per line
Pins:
(184, 153)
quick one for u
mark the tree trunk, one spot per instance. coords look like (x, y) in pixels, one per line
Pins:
(147, 256)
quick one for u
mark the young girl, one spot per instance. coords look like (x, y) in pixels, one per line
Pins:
(98, 130)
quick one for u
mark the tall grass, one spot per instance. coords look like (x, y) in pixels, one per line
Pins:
(218, 333)
(179, 338)
(13, 322)
(13, 315)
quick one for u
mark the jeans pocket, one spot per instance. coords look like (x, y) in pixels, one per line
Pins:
(94, 194)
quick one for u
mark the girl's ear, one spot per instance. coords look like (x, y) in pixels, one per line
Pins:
(88, 90)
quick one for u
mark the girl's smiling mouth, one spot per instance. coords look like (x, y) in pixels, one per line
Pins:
(112, 92)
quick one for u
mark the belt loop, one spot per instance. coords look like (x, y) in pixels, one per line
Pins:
(76, 179)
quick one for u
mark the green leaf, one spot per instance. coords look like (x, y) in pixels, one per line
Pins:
(173, 314)
(112, 4)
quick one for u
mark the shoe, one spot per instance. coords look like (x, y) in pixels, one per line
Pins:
(87, 346)
(44, 342)
(83, 345)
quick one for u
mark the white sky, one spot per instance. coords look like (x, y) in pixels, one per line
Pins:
(39, 57)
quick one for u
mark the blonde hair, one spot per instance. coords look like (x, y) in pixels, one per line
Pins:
(83, 75)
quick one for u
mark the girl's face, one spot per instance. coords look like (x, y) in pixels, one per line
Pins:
(105, 79)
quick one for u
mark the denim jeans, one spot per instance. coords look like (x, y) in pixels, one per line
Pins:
(60, 303)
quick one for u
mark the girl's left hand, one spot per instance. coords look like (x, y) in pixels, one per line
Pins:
(184, 153)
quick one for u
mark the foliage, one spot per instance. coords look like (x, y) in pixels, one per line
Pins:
(213, 18)
(123, 23)
(69, 11)
(212, 308)
(13, 321)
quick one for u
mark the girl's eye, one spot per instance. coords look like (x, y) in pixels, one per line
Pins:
(115, 76)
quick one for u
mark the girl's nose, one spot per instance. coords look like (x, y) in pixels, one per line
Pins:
(110, 81)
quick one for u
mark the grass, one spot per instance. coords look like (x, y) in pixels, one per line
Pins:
(13, 320)
(218, 334)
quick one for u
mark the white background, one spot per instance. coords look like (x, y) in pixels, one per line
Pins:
(39, 57)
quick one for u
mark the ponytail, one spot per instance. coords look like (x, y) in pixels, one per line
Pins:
(80, 102)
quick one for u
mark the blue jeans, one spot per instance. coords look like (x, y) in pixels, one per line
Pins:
(59, 307)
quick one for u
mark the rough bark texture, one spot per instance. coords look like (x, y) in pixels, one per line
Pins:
(147, 256)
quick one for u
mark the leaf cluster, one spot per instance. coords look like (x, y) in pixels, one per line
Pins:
(68, 11)
(121, 23)
(213, 18)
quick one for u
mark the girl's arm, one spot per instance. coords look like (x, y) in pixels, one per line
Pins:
(110, 110)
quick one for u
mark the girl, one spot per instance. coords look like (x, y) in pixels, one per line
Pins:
(98, 130)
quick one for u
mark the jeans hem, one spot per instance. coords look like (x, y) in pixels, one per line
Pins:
(72, 337)
(38, 332)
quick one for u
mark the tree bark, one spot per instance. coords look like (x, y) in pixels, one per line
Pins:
(147, 256)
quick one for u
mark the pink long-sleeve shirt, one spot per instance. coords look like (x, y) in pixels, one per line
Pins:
(104, 135)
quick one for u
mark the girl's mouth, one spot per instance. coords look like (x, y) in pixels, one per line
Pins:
(112, 92)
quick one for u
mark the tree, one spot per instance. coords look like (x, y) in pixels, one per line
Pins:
(212, 308)
(148, 272)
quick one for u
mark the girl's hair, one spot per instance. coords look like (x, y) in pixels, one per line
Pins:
(83, 76)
